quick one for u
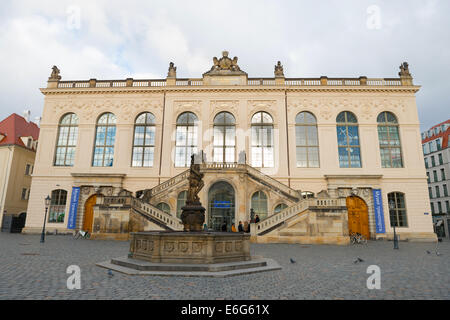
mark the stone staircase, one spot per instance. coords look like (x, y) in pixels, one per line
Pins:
(153, 214)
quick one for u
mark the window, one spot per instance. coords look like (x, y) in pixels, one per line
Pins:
(57, 206)
(67, 141)
(441, 161)
(259, 204)
(438, 194)
(428, 177)
(262, 140)
(25, 194)
(430, 192)
(280, 207)
(439, 207)
(444, 187)
(164, 207)
(224, 137)
(28, 169)
(447, 206)
(433, 163)
(181, 202)
(438, 144)
(389, 139)
(397, 209)
(306, 140)
(432, 208)
(348, 140)
(426, 163)
(104, 141)
(144, 140)
(435, 176)
(186, 139)
(442, 174)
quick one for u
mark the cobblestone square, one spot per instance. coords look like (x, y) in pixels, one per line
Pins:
(31, 270)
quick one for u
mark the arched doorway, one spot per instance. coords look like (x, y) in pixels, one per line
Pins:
(221, 206)
(89, 213)
(358, 216)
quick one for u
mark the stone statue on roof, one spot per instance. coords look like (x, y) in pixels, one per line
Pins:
(279, 70)
(55, 74)
(172, 71)
(225, 65)
(404, 70)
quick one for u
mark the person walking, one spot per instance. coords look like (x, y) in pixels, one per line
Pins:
(257, 219)
(240, 227)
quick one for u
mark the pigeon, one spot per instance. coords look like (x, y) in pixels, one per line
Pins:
(428, 251)
(292, 260)
(438, 253)
(358, 259)
(110, 273)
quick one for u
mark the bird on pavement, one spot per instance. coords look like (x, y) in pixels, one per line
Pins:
(292, 260)
(110, 273)
(358, 259)
(428, 251)
(438, 253)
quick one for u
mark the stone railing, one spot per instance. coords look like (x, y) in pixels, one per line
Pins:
(289, 82)
(167, 184)
(296, 209)
(167, 219)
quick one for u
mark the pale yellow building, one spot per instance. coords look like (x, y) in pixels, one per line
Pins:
(18, 143)
(315, 158)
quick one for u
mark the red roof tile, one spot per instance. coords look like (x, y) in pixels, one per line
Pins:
(444, 134)
(15, 127)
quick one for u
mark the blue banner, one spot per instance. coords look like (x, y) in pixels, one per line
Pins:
(379, 213)
(222, 204)
(73, 208)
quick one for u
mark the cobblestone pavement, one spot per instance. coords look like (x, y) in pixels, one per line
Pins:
(31, 270)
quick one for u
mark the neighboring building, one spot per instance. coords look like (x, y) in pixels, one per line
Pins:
(314, 158)
(18, 144)
(436, 152)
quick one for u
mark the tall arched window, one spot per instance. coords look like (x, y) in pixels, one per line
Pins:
(306, 140)
(259, 204)
(397, 209)
(262, 140)
(57, 207)
(181, 202)
(105, 138)
(186, 139)
(348, 140)
(164, 207)
(67, 140)
(144, 140)
(389, 138)
(224, 137)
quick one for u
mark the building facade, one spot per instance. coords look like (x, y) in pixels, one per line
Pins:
(18, 144)
(437, 163)
(313, 158)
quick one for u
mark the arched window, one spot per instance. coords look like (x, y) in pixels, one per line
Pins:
(186, 139)
(306, 140)
(224, 137)
(105, 137)
(259, 204)
(164, 207)
(67, 140)
(144, 140)
(262, 140)
(397, 209)
(389, 138)
(181, 202)
(280, 207)
(57, 209)
(348, 140)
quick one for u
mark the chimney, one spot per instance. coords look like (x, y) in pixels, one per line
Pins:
(27, 115)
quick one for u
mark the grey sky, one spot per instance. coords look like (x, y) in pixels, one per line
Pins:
(120, 39)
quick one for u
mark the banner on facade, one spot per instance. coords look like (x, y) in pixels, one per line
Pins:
(379, 213)
(73, 208)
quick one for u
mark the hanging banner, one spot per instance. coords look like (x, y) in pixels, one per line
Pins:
(73, 208)
(379, 213)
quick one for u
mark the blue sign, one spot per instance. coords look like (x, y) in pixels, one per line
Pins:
(73, 208)
(222, 204)
(379, 214)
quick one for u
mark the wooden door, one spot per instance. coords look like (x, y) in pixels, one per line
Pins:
(89, 213)
(358, 216)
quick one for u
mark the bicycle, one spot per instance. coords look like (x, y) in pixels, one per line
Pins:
(357, 238)
(82, 234)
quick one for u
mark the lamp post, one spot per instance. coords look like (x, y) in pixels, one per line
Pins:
(392, 207)
(47, 204)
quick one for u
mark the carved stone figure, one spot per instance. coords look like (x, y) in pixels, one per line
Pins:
(195, 182)
(172, 71)
(55, 74)
(404, 70)
(279, 70)
(225, 63)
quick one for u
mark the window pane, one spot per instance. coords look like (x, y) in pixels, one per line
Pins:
(383, 135)
(218, 136)
(181, 138)
(300, 135)
(139, 135)
(180, 156)
(150, 136)
(342, 135)
(302, 157)
(230, 139)
(218, 154)
(100, 138)
(229, 154)
(355, 157)
(268, 157)
(312, 136)
(256, 156)
(137, 156)
(313, 157)
(148, 157)
(353, 138)
(343, 157)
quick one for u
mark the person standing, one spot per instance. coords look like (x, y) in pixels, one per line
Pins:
(246, 225)
(233, 228)
(240, 227)
(224, 226)
(257, 219)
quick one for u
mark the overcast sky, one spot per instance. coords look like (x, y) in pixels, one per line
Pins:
(108, 39)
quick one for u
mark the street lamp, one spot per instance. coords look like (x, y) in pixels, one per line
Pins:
(47, 204)
(392, 207)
